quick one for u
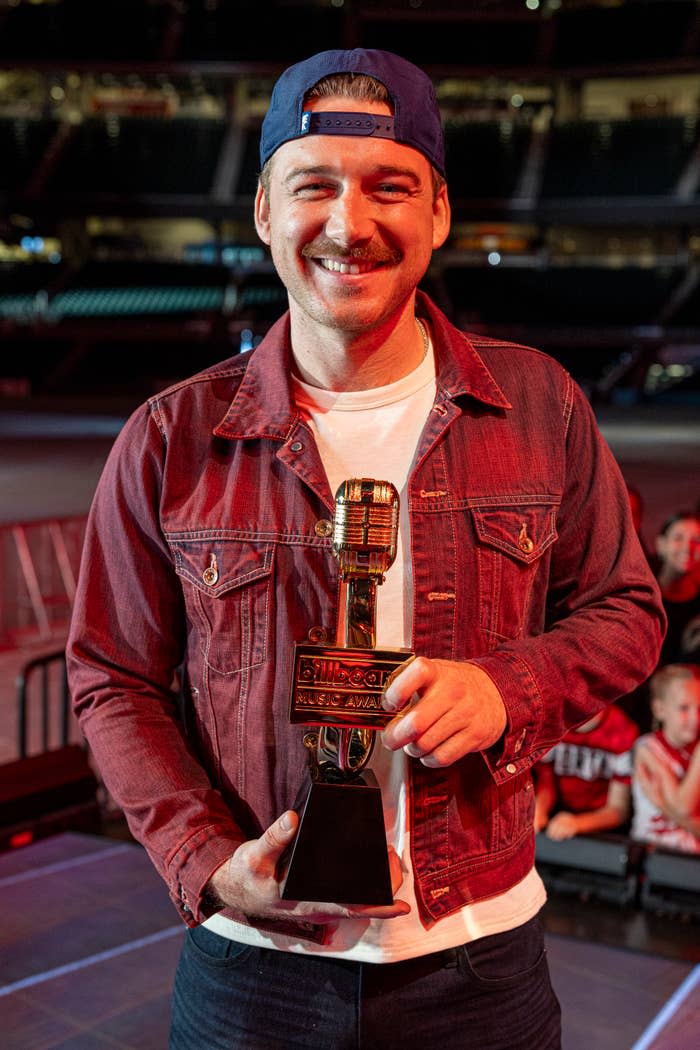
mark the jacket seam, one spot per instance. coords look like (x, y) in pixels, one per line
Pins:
(483, 860)
(237, 535)
(568, 404)
(201, 377)
(204, 833)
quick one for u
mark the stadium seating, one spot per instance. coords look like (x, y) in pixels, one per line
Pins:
(23, 141)
(641, 157)
(485, 159)
(141, 155)
(553, 296)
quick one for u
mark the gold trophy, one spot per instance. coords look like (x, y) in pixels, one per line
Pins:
(340, 850)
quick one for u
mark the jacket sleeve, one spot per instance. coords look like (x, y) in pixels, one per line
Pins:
(604, 617)
(126, 643)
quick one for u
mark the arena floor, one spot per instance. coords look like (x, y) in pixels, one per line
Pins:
(90, 940)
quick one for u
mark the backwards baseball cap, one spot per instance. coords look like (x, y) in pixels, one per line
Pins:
(415, 121)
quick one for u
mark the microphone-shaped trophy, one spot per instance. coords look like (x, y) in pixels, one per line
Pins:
(340, 850)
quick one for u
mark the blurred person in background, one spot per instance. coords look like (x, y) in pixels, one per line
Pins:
(583, 784)
(666, 782)
(678, 574)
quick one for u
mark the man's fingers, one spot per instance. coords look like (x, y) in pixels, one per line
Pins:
(448, 751)
(414, 674)
(387, 911)
(437, 749)
(395, 870)
(324, 911)
(410, 728)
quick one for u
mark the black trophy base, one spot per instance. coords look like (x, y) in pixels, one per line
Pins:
(340, 852)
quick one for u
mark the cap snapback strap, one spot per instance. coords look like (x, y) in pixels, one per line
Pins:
(377, 125)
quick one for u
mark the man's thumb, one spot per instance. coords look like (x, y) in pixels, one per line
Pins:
(280, 834)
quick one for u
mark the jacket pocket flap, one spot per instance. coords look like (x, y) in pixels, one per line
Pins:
(524, 532)
(217, 566)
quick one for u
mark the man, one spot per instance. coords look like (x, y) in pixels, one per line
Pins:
(518, 583)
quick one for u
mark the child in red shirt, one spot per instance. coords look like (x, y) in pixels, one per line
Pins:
(585, 780)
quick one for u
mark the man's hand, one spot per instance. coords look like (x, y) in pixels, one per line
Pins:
(248, 881)
(458, 710)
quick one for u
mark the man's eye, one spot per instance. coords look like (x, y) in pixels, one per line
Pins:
(311, 187)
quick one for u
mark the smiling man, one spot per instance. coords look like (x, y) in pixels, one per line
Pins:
(351, 223)
(518, 582)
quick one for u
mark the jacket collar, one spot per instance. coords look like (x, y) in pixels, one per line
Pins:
(263, 406)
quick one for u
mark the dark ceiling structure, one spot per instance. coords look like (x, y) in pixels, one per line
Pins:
(128, 137)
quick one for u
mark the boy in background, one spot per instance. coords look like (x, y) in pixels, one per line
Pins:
(666, 781)
(585, 780)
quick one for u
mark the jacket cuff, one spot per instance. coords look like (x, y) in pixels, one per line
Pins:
(519, 747)
(191, 867)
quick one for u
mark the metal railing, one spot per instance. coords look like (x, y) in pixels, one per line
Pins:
(42, 687)
(38, 568)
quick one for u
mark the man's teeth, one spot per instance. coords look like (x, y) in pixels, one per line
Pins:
(346, 267)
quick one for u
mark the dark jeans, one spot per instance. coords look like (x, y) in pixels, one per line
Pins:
(492, 994)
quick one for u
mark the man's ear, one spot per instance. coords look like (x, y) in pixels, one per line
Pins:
(262, 215)
(442, 216)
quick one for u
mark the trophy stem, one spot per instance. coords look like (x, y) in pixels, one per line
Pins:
(351, 749)
(361, 612)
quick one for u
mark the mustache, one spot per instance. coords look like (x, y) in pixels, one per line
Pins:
(325, 248)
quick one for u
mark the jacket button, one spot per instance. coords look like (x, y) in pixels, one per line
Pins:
(510, 768)
(524, 541)
(318, 635)
(324, 527)
(296, 446)
(211, 573)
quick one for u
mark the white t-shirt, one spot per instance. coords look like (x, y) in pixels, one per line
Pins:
(375, 434)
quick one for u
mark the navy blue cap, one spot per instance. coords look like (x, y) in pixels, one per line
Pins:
(415, 121)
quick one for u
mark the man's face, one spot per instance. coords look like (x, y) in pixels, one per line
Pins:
(351, 223)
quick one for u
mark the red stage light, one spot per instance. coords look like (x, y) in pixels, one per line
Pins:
(21, 838)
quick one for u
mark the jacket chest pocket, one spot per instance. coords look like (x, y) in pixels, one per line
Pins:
(511, 541)
(227, 586)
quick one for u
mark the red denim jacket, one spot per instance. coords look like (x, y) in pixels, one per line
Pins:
(208, 542)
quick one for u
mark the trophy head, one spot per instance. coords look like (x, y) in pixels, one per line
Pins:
(365, 527)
